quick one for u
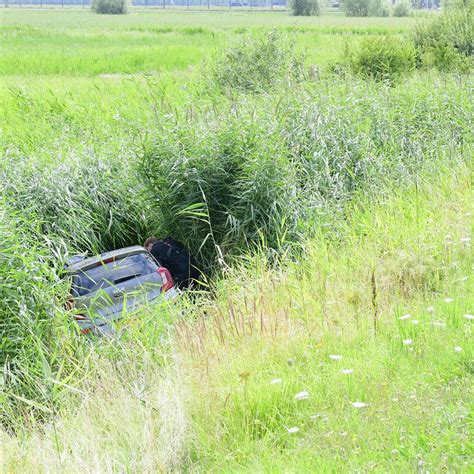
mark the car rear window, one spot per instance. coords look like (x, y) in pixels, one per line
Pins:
(112, 273)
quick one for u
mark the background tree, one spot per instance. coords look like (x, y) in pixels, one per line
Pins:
(305, 7)
(111, 7)
(365, 7)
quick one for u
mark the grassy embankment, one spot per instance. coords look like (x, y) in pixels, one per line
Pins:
(212, 387)
(219, 394)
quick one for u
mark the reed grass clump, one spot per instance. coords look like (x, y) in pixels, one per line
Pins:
(447, 41)
(37, 345)
(383, 58)
(222, 184)
(257, 64)
(27, 288)
(92, 205)
(231, 178)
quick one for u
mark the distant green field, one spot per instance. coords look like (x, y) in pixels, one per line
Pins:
(79, 43)
(93, 66)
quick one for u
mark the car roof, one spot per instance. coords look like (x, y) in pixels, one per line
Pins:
(114, 254)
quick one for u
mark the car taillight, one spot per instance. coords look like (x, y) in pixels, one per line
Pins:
(168, 282)
(81, 317)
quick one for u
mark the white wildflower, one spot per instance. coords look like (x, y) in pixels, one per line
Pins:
(458, 349)
(293, 429)
(405, 316)
(448, 300)
(347, 371)
(415, 321)
(302, 395)
(335, 357)
(407, 342)
(275, 381)
(359, 404)
(469, 316)
(465, 239)
(430, 309)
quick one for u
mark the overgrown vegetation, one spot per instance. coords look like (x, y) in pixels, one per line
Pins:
(235, 178)
(257, 64)
(37, 341)
(383, 58)
(446, 42)
(344, 360)
(92, 205)
(280, 359)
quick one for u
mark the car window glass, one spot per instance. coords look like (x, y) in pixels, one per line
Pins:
(112, 273)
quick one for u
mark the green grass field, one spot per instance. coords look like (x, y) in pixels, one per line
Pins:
(81, 44)
(337, 336)
(94, 66)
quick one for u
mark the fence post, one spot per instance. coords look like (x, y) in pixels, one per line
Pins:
(164, 4)
(230, 4)
(187, 4)
(208, 4)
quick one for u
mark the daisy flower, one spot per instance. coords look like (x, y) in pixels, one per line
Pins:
(302, 395)
(359, 404)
